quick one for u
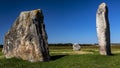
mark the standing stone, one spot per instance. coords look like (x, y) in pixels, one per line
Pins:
(103, 29)
(76, 47)
(27, 38)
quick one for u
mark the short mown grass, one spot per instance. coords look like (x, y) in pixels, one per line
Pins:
(62, 58)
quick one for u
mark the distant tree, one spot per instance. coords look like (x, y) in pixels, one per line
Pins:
(61, 44)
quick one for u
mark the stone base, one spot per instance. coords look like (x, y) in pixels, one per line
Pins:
(104, 50)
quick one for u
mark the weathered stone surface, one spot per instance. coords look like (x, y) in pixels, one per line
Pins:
(76, 47)
(103, 29)
(27, 38)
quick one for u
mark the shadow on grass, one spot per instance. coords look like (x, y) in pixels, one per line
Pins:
(114, 54)
(55, 57)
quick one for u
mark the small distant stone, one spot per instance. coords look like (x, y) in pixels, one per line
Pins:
(76, 47)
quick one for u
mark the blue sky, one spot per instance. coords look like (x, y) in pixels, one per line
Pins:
(67, 21)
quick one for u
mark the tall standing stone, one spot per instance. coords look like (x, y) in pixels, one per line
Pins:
(27, 38)
(103, 29)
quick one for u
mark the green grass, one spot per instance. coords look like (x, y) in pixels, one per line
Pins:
(63, 57)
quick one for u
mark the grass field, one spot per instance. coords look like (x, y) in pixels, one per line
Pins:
(64, 57)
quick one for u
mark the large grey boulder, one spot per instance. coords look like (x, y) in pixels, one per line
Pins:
(76, 47)
(103, 29)
(27, 38)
